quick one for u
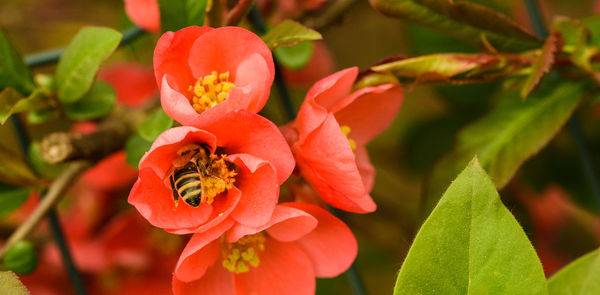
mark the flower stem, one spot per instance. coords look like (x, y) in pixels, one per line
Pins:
(53, 55)
(256, 19)
(585, 158)
(55, 227)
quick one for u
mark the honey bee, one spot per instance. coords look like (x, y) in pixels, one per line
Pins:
(187, 173)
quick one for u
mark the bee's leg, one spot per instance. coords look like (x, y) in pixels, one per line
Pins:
(202, 167)
(175, 193)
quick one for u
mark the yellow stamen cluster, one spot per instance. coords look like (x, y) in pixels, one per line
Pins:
(219, 178)
(346, 130)
(239, 256)
(210, 90)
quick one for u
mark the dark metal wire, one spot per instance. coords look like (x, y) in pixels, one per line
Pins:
(53, 55)
(585, 157)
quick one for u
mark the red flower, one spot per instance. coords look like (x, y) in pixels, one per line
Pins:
(301, 241)
(243, 158)
(329, 135)
(134, 83)
(204, 73)
(144, 13)
(320, 65)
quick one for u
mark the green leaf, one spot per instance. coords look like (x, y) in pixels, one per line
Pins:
(14, 170)
(11, 198)
(21, 258)
(289, 33)
(541, 65)
(179, 14)
(10, 284)
(12, 102)
(80, 62)
(42, 115)
(154, 125)
(451, 67)
(471, 244)
(462, 20)
(502, 140)
(295, 57)
(581, 276)
(135, 147)
(13, 71)
(98, 102)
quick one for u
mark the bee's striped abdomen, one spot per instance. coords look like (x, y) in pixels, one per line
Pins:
(188, 184)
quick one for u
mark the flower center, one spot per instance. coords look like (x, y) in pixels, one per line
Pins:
(219, 177)
(239, 256)
(210, 90)
(346, 130)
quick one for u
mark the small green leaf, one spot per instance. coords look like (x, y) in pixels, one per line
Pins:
(289, 33)
(295, 57)
(135, 147)
(14, 170)
(11, 198)
(471, 244)
(581, 276)
(42, 115)
(10, 284)
(80, 62)
(98, 102)
(12, 102)
(541, 65)
(21, 258)
(154, 125)
(13, 71)
(179, 14)
(462, 20)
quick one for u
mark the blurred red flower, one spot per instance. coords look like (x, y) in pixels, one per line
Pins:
(299, 243)
(246, 160)
(329, 135)
(134, 83)
(320, 65)
(144, 13)
(204, 73)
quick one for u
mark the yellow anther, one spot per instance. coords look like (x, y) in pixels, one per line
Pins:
(218, 177)
(210, 90)
(238, 255)
(346, 130)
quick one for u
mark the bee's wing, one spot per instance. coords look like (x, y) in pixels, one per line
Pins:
(175, 191)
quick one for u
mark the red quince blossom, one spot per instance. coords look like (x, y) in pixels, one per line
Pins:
(134, 83)
(144, 13)
(320, 65)
(329, 135)
(249, 159)
(299, 243)
(204, 73)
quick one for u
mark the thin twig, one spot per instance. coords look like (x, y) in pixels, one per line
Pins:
(234, 15)
(53, 55)
(55, 193)
(328, 15)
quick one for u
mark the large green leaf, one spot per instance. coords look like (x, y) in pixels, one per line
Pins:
(581, 276)
(98, 102)
(13, 71)
(178, 14)
(295, 57)
(471, 244)
(14, 170)
(10, 284)
(80, 62)
(135, 147)
(462, 20)
(289, 33)
(502, 140)
(11, 198)
(157, 122)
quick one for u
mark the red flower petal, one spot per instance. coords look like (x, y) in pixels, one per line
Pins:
(365, 168)
(332, 171)
(331, 246)
(243, 132)
(216, 281)
(287, 224)
(135, 84)
(172, 53)
(201, 252)
(144, 13)
(257, 180)
(284, 269)
(111, 173)
(371, 110)
(320, 65)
